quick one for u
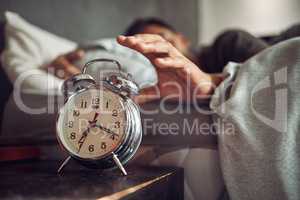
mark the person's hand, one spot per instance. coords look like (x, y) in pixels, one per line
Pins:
(63, 66)
(177, 75)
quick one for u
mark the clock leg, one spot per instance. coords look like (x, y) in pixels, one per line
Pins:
(119, 164)
(62, 166)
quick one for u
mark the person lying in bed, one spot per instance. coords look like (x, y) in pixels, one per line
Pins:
(259, 155)
(231, 45)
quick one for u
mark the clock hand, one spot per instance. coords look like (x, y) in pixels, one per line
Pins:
(85, 133)
(95, 118)
(107, 130)
(83, 138)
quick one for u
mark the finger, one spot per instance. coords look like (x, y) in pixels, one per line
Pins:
(126, 41)
(158, 47)
(121, 39)
(149, 37)
(139, 37)
(132, 41)
(170, 62)
(75, 55)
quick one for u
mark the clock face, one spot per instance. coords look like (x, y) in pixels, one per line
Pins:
(92, 123)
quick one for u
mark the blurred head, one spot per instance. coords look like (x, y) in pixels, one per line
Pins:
(159, 27)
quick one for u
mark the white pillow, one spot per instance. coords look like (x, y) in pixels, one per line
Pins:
(27, 49)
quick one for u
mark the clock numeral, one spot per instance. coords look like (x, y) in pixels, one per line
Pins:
(114, 113)
(91, 148)
(83, 104)
(95, 102)
(76, 113)
(70, 124)
(113, 136)
(73, 136)
(117, 124)
(103, 145)
(107, 104)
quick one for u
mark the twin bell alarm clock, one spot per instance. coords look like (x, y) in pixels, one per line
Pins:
(99, 124)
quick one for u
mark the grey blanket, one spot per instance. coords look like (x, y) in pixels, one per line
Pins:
(258, 106)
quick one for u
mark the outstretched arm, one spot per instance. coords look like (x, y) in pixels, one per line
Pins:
(166, 58)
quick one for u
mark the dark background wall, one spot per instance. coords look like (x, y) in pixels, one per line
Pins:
(82, 20)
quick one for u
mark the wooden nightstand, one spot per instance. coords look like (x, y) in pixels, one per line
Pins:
(39, 180)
